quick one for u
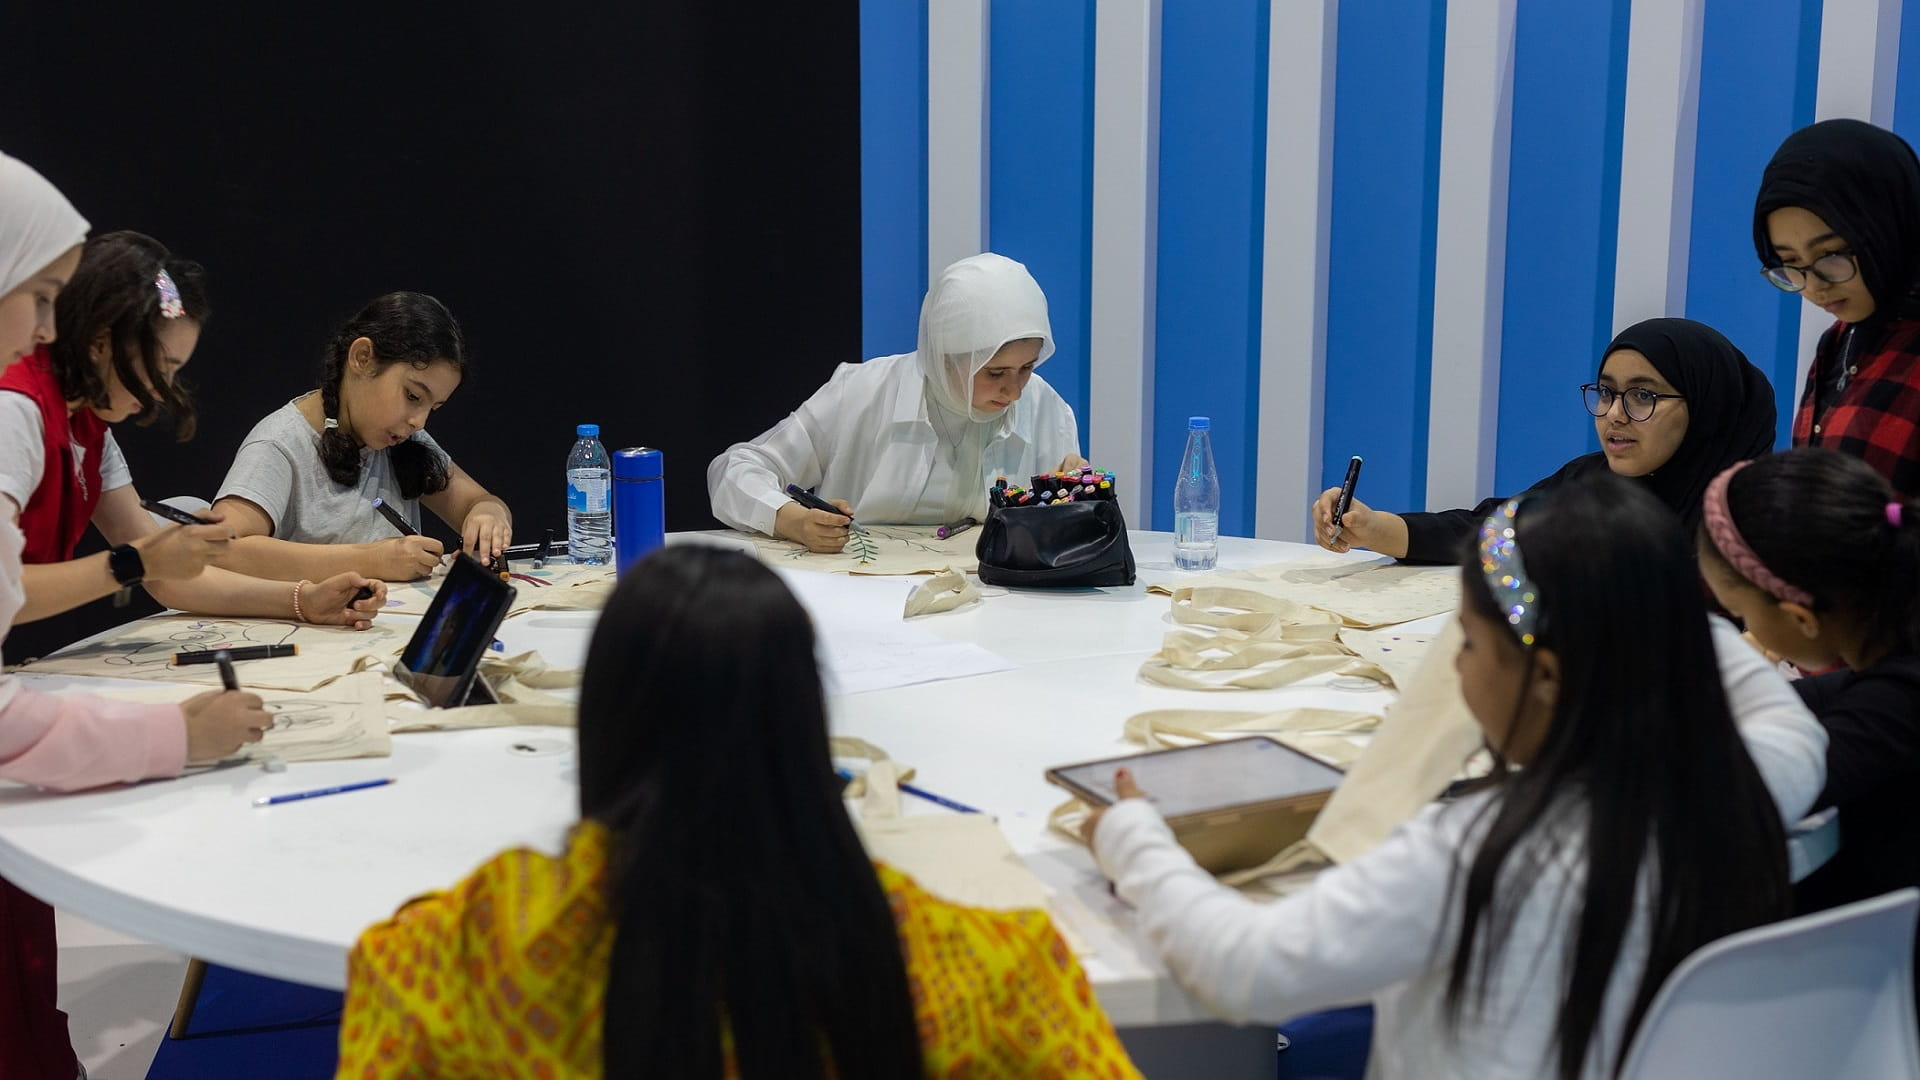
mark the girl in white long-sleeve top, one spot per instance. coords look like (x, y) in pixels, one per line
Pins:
(914, 439)
(1522, 931)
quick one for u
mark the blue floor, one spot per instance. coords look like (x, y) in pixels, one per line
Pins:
(246, 1025)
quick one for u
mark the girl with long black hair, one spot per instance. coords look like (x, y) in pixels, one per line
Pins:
(714, 914)
(1523, 930)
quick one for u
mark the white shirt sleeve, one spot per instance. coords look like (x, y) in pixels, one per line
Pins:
(1360, 927)
(747, 482)
(1788, 745)
(23, 451)
(113, 466)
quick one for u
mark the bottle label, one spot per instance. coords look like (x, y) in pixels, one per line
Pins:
(587, 495)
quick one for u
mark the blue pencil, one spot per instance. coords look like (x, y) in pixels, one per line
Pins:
(275, 800)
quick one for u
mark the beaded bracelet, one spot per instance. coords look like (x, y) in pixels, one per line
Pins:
(299, 616)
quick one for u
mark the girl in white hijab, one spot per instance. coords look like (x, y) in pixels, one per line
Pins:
(914, 439)
(40, 235)
(67, 741)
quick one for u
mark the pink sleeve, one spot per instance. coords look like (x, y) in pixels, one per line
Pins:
(71, 741)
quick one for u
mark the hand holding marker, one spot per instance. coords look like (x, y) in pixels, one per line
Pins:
(814, 502)
(1345, 502)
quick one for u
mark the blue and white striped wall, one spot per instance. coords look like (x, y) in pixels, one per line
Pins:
(1393, 228)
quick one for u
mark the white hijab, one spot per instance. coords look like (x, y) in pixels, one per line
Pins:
(977, 305)
(37, 226)
(37, 223)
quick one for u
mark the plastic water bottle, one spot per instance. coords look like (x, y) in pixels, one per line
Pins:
(1196, 501)
(589, 512)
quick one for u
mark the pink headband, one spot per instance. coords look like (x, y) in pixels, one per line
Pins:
(1733, 547)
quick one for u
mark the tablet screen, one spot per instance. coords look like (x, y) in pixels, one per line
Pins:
(1195, 779)
(455, 632)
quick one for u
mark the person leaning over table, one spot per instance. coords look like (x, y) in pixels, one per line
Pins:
(127, 323)
(713, 913)
(66, 742)
(914, 439)
(1674, 403)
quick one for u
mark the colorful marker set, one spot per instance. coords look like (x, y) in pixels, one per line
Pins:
(1087, 485)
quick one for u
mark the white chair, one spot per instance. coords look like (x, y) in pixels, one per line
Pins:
(1824, 995)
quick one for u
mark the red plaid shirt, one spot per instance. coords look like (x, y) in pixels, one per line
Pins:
(1876, 416)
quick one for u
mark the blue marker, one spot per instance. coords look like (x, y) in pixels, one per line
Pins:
(938, 800)
(276, 800)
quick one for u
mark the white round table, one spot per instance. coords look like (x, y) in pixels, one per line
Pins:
(284, 891)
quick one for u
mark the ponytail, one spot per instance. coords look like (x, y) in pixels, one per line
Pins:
(404, 327)
(1831, 529)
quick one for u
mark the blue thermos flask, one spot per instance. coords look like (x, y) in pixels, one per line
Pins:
(639, 504)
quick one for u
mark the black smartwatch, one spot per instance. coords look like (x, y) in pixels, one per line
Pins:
(124, 562)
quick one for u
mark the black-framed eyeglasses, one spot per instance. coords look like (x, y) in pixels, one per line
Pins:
(1836, 268)
(1637, 400)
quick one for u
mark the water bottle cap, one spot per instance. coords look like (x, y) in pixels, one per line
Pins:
(1198, 423)
(587, 431)
(636, 463)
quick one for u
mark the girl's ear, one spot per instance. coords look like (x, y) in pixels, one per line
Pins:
(101, 347)
(360, 356)
(1804, 618)
(1544, 684)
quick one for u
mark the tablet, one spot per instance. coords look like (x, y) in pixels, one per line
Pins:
(442, 661)
(1211, 776)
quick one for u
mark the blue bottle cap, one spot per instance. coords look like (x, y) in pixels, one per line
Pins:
(636, 463)
(587, 431)
(1198, 423)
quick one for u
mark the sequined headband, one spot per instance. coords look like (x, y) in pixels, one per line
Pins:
(1506, 574)
(1733, 547)
(170, 305)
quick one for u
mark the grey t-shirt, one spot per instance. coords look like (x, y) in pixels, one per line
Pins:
(279, 470)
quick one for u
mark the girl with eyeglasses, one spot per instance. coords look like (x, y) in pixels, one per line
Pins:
(1674, 403)
(1523, 929)
(1837, 220)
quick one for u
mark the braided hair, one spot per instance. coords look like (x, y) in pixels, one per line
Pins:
(403, 327)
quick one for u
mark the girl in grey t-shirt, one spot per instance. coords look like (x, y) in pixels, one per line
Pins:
(300, 491)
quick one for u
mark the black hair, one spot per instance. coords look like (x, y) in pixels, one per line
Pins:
(743, 896)
(1818, 519)
(114, 290)
(404, 327)
(1641, 753)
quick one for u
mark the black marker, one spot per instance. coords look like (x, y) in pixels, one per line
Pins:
(248, 652)
(173, 513)
(546, 549)
(1345, 501)
(227, 677)
(394, 519)
(814, 502)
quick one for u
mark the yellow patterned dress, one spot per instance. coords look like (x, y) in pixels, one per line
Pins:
(505, 975)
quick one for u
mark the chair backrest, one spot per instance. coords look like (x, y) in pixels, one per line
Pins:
(1827, 994)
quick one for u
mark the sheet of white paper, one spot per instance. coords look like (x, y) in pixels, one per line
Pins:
(865, 644)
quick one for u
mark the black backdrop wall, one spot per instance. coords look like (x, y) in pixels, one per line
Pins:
(646, 216)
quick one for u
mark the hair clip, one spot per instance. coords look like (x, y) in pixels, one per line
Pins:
(1895, 513)
(1506, 574)
(170, 305)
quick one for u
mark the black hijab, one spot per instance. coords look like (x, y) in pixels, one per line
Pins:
(1730, 411)
(1864, 182)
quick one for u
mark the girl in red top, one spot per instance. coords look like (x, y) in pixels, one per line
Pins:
(1838, 221)
(126, 324)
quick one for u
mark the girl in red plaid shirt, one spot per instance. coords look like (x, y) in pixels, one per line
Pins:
(1837, 220)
